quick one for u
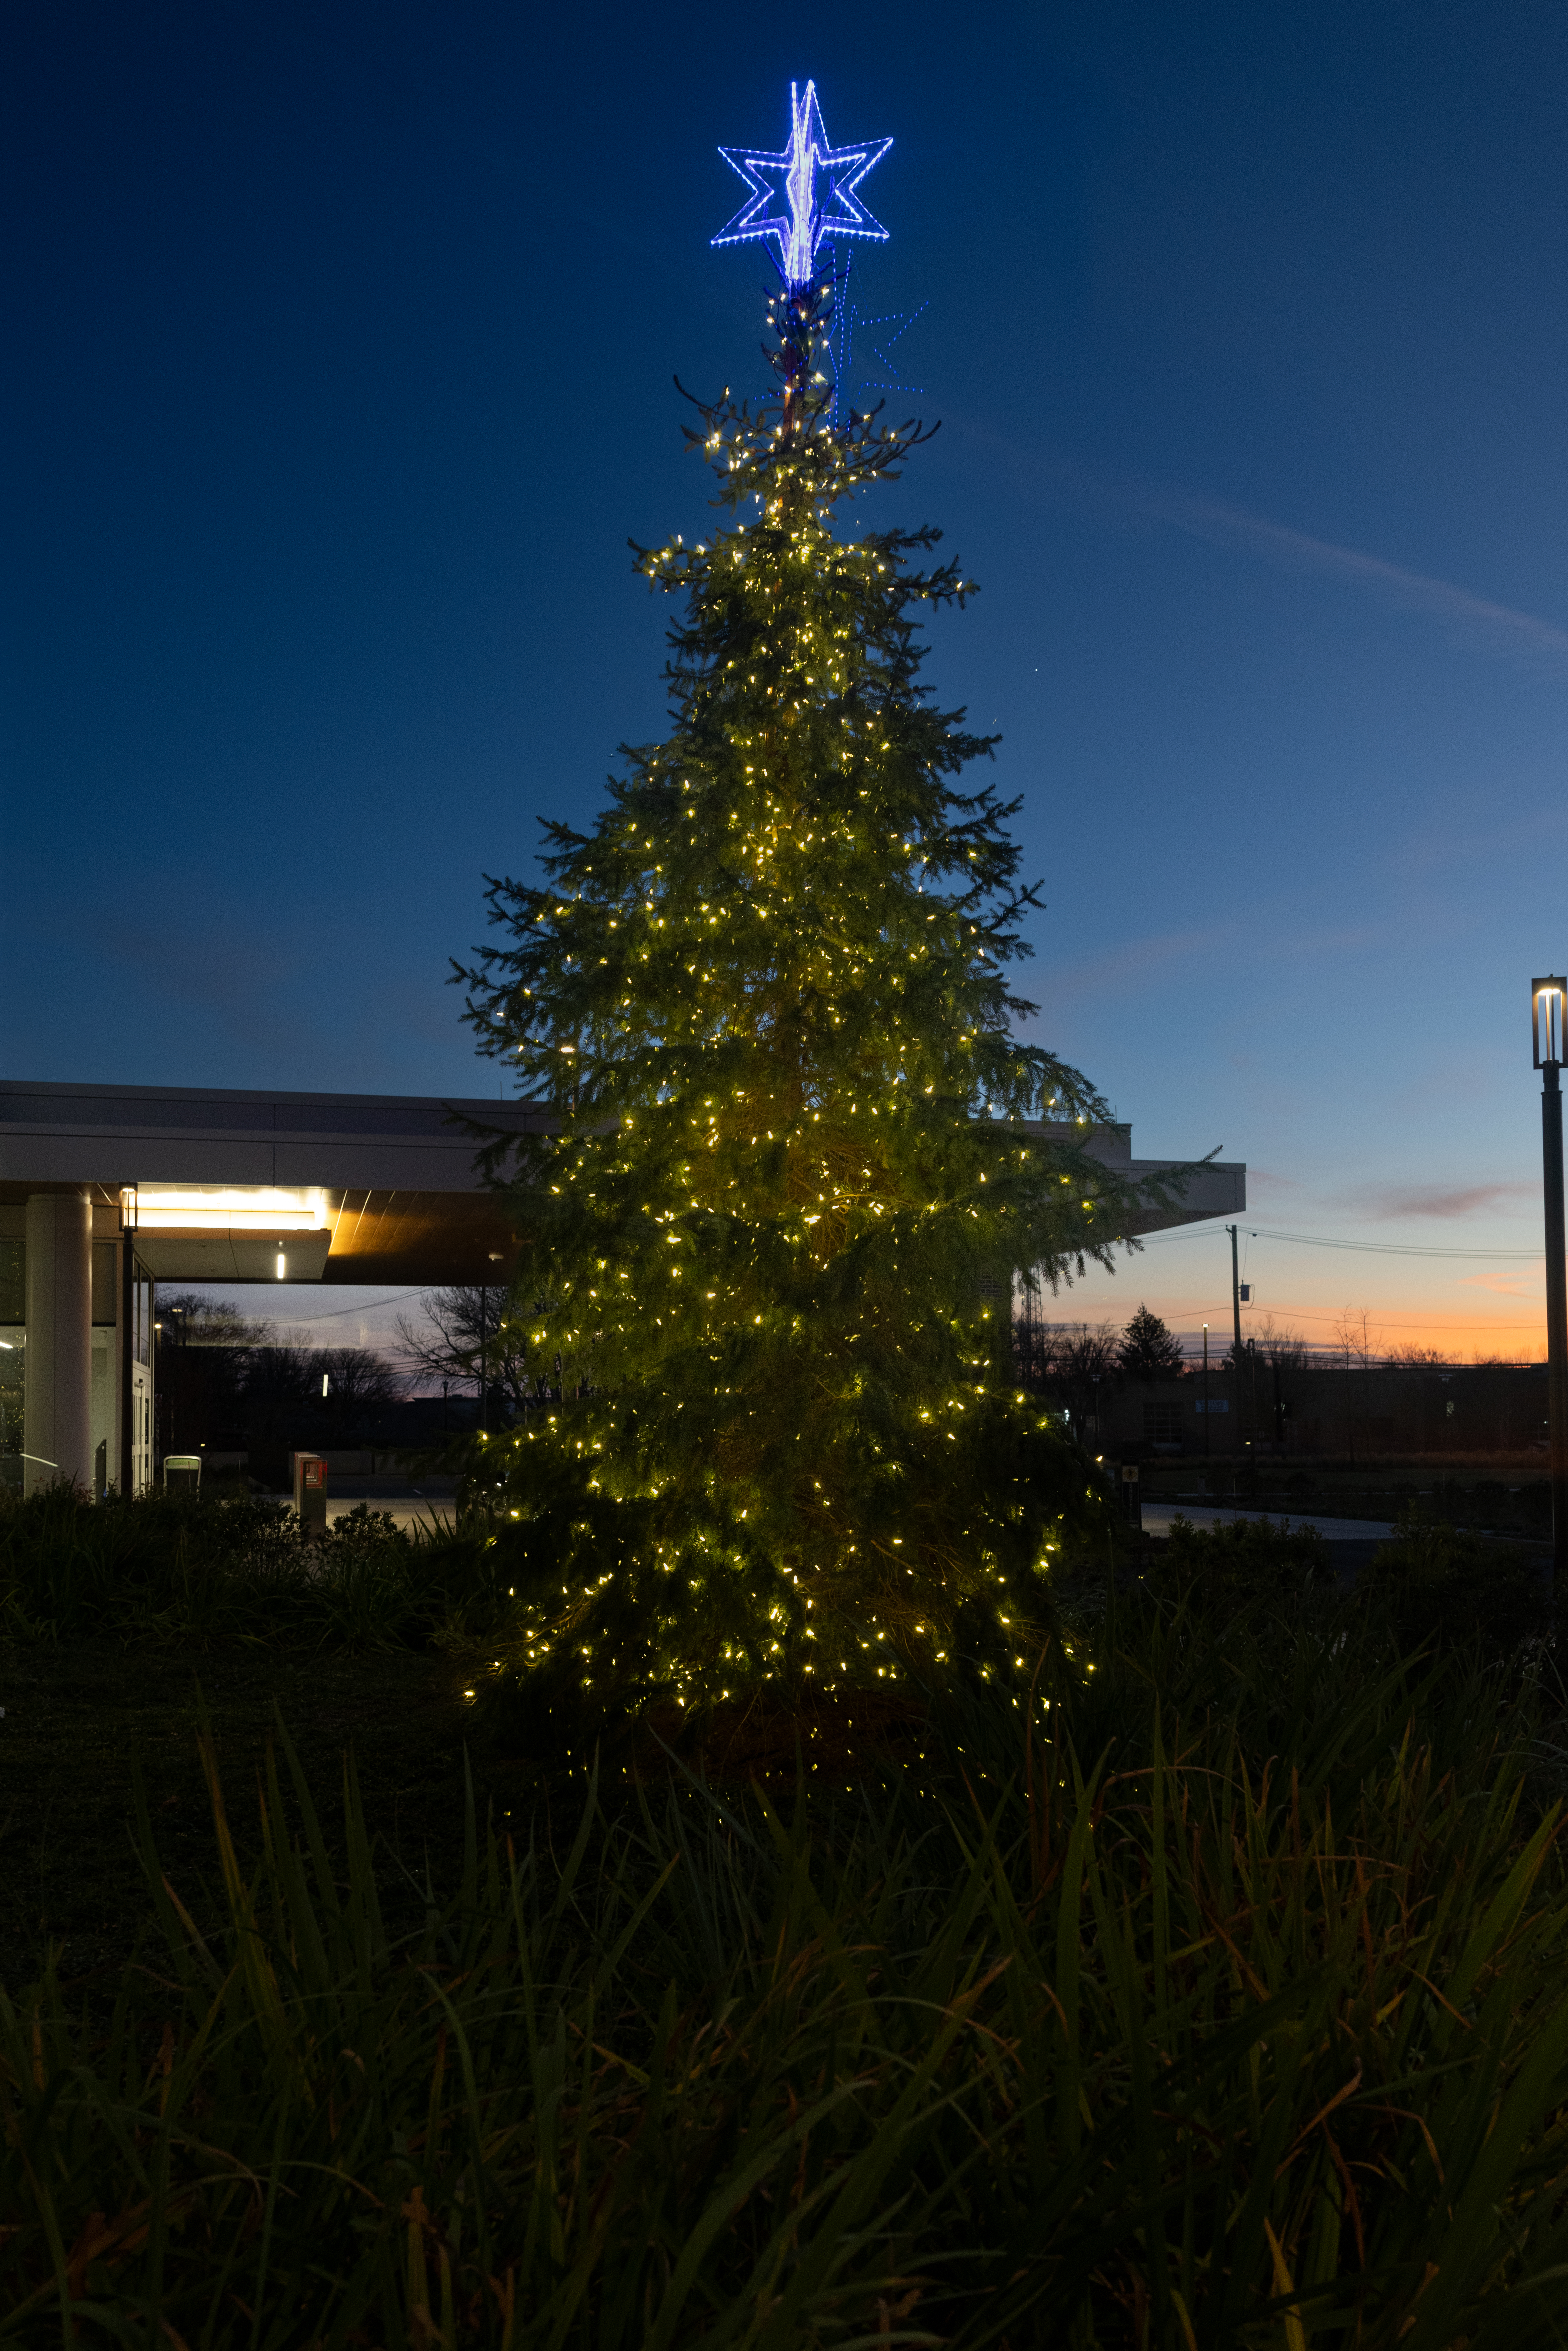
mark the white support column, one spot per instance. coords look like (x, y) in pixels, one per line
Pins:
(59, 1419)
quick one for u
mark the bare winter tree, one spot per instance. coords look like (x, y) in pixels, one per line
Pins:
(1280, 1348)
(1074, 1362)
(289, 1386)
(462, 1325)
(279, 1388)
(1355, 1344)
(352, 1384)
(1087, 1367)
(228, 1377)
(187, 1318)
(1035, 1344)
(205, 1346)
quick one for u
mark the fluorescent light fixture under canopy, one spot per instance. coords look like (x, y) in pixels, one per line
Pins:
(231, 1208)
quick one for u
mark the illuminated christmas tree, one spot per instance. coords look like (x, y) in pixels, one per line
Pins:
(776, 1235)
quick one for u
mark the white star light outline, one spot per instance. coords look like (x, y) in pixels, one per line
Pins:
(785, 203)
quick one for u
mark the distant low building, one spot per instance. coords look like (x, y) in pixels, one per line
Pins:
(1354, 1413)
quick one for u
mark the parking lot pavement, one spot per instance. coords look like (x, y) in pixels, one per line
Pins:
(1157, 1517)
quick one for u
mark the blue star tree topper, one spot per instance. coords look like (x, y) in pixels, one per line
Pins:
(805, 194)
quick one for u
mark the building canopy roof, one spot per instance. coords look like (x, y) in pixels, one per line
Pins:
(337, 1187)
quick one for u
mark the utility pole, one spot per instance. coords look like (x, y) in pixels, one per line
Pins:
(126, 1334)
(1236, 1342)
(1546, 1000)
(1205, 1443)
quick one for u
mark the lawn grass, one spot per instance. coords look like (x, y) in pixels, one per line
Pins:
(1204, 1986)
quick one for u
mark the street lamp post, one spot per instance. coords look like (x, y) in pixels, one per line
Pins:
(484, 1360)
(1236, 1295)
(1546, 1002)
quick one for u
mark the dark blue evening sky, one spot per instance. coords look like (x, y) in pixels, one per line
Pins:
(340, 345)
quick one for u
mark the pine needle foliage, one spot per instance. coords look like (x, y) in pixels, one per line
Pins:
(766, 997)
(1150, 1349)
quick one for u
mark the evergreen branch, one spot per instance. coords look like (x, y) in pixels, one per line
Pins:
(798, 1150)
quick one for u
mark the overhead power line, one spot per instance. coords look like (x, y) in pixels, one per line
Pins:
(1183, 1316)
(333, 1314)
(1326, 1240)
(1425, 1324)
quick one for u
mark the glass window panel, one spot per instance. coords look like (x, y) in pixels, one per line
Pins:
(13, 1281)
(104, 1310)
(13, 1399)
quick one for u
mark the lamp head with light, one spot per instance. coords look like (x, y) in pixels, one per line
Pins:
(1546, 997)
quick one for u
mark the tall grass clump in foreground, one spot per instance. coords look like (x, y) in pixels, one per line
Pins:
(1216, 1995)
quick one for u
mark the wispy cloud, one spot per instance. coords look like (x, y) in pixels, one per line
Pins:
(1504, 1285)
(1132, 957)
(1520, 637)
(1438, 1199)
(1264, 1181)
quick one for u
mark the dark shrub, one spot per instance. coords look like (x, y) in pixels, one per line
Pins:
(1458, 1591)
(1250, 1559)
(184, 1567)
